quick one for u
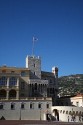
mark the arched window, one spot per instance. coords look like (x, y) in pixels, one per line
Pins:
(66, 112)
(13, 81)
(3, 80)
(2, 93)
(12, 93)
(76, 112)
(70, 112)
(63, 111)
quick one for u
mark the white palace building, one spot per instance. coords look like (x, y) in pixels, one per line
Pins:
(31, 94)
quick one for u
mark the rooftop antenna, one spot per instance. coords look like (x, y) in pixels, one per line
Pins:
(33, 42)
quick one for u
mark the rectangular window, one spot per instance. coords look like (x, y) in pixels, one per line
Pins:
(1, 106)
(12, 106)
(47, 106)
(77, 103)
(39, 106)
(31, 105)
(22, 106)
(23, 73)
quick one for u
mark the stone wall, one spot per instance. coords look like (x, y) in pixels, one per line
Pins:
(26, 113)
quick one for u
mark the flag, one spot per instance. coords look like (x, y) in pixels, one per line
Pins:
(35, 39)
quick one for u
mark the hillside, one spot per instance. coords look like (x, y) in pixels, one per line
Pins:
(70, 85)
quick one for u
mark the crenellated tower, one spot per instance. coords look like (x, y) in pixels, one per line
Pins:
(34, 64)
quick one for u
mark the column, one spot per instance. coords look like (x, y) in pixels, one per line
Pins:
(17, 95)
(7, 95)
(46, 89)
(31, 90)
(8, 82)
(39, 88)
(17, 82)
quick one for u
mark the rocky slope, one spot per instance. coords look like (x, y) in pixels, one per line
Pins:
(70, 85)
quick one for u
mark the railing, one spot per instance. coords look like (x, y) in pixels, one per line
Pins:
(10, 86)
(3, 86)
(3, 98)
(25, 98)
(35, 98)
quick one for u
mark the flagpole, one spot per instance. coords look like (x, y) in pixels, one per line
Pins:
(33, 46)
(33, 41)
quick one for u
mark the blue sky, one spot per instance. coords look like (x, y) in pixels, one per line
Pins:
(58, 25)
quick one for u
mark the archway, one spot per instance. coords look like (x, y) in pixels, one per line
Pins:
(56, 113)
(12, 93)
(2, 93)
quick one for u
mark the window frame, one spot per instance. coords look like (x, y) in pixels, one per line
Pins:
(22, 104)
(13, 81)
(39, 105)
(1, 106)
(22, 85)
(3, 81)
(31, 105)
(13, 104)
(47, 105)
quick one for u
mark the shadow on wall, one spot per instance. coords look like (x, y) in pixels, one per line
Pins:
(2, 118)
(64, 101)
(56, 114)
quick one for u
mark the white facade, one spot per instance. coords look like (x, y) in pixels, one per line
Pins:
(69, 113)
(32, 109)
(77, 100)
